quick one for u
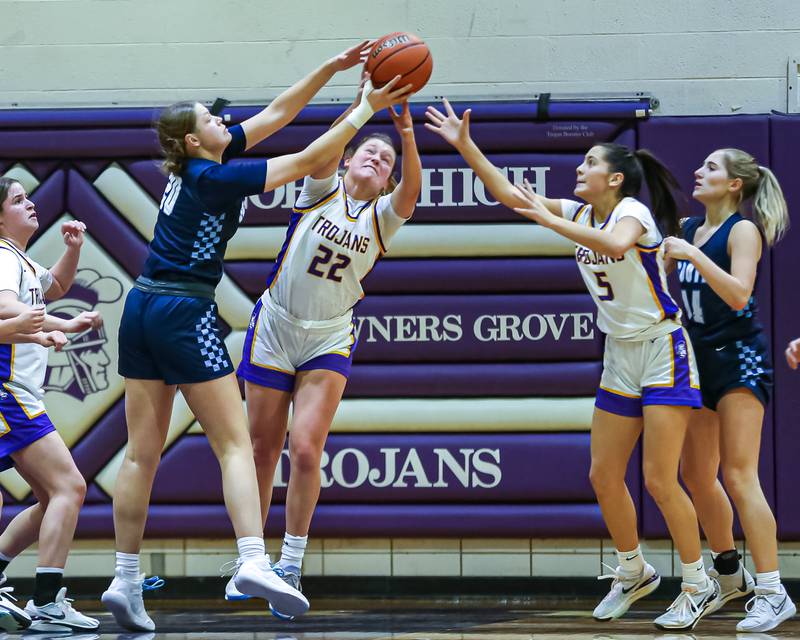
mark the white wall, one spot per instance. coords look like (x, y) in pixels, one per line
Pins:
(697, 57)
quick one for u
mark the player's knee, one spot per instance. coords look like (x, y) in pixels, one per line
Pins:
(305, 456)
(738, 481)
(697, 481)
(604, 480)
(659, 484)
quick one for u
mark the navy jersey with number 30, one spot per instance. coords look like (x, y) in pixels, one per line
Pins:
(199, 212)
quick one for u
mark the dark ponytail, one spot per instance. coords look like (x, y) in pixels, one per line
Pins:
(641, 164)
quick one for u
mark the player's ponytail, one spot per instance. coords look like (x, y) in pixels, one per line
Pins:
(759, 183)
(173, 124)
(639, 165)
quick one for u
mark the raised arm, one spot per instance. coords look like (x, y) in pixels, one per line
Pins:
(63, 271)
(744, 247)
(455, 131)
(330, 145)
(404, 197)
(283, 109)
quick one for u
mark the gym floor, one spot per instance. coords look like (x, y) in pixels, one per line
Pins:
(406, 619)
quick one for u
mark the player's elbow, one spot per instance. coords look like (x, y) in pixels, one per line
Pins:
(739, 302)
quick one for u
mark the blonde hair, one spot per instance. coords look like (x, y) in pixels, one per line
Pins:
(760, 184)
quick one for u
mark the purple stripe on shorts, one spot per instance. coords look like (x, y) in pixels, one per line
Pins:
(617, 404)
(5, 361)
(686, 397)
(266, 377)
(333, 361)
(681, 392)
(22, 430)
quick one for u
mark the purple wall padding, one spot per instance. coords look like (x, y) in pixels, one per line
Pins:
(457, 275)
(411, 468)
(418, 322)
(506, 379)
(476, 328)
(785, 135)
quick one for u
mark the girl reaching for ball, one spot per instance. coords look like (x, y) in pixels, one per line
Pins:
(300, 344)
(649, 381)
(169, 337)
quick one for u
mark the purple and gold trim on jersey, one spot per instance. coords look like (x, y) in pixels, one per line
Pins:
(377, 226)
(662, 298)
(618, 403)
(322, 201)
(602, 224)
(294, 220)
(6, 362)
(579, 212)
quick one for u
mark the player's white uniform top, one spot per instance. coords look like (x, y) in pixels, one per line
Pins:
(332, 243)
(23, 365)
(633, 301)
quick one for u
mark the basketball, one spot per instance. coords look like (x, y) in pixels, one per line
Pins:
(400, 54)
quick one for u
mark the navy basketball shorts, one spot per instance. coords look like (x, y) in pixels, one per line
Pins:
(171, 338)
(660, 371)
(278, 345)
(742, 363)
(23, 421)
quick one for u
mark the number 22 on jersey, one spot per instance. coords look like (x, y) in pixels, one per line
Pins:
(327, 265)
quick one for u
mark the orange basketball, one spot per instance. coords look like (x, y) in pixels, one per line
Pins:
(400, 54)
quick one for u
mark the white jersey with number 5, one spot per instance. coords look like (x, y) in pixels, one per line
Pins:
(633, 301)
(332, 243)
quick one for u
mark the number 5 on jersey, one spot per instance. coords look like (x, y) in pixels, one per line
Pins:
(605, 284)
(323, 259)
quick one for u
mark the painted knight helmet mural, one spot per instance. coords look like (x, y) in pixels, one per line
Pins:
(80, 369)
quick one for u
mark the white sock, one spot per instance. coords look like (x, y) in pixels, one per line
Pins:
(251, 547)
(5, 558)
(128, 565)
(694, 573)
(631, 562)
(770, 580)
(292, 551)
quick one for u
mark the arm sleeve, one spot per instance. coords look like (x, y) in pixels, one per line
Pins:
(631, 208)
(315, 190)
(220, 184)
(10, 271)
(44, 275)
(387, 222)
(237, 145)
(569, 208)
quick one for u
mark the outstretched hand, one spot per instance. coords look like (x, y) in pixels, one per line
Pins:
(388, 94)
(357, 54)
(453, 129)
(535, 209)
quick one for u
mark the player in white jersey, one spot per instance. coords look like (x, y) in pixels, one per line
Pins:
(300, 343)
(649, 379)
(28, 440)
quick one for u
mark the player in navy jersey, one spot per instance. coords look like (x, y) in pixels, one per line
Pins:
(169, 337)
(649, 381)
(300, 344)
(28, 439)
(717, 263)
